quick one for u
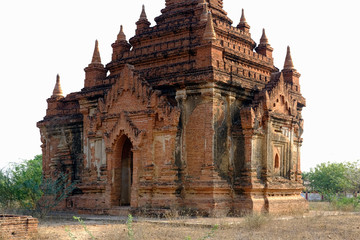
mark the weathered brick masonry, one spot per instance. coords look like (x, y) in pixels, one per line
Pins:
(190, 113)
(17, 227)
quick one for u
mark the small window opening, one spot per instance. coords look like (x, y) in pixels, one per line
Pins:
(277, 161)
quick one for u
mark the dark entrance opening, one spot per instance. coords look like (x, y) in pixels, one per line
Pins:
(126, 173)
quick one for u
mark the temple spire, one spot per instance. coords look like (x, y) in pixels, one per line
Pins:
(121, 36)
(95, 71)
(120, 46)
(243, 25)
(242, 19)
(289, 72)
(288, 65)
(209, 33)
(57, 89)
(264, 47)
(264, 40)
(143, 14)
(143, 22)
(96, 55)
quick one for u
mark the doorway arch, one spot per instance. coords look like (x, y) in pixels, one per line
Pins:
(123, 172)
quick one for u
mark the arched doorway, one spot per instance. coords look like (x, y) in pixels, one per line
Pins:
(122, 172)
(126, 173)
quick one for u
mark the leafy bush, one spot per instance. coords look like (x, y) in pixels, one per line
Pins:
(20, 184)
(23, 187)
(346, 204)
(8, 195)
(53, 191)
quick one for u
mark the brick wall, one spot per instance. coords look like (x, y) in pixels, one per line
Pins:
(17, 227)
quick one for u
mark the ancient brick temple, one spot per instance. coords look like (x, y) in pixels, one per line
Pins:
(189, 114)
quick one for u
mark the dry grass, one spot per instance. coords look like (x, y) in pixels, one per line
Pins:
(256, 220)
(256, 227)
(321, 206)
(317, 226)
(334, 206)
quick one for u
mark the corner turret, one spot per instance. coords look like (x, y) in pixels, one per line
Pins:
(209, 34)
(288, 65)
(243, 25)
(290, 74)
(264, 47)
(57, 92)
(120, 46)
(55, 100)
(143, 22)
(95, 70)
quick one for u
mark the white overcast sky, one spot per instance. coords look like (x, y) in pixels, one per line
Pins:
(41, 38)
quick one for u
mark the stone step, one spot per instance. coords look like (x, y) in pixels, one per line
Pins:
(119, 211)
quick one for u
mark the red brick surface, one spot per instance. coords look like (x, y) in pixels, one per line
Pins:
(17, 227)
(205, 110)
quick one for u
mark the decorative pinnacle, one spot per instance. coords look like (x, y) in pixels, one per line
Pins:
(57, 89)
(209, 33)
(264, 40)
(288, 60)
(243, 24)
(143, 14)
(96, 55)
(121, 36)
(242, 19)
(204, 15)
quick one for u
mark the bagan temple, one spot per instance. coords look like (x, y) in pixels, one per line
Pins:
(190, 114)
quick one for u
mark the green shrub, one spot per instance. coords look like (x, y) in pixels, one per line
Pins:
(20, 184)
(84, 226)
(129, 222)
(346, 204)
(8, 196)
(53, 191)
(22, 187)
